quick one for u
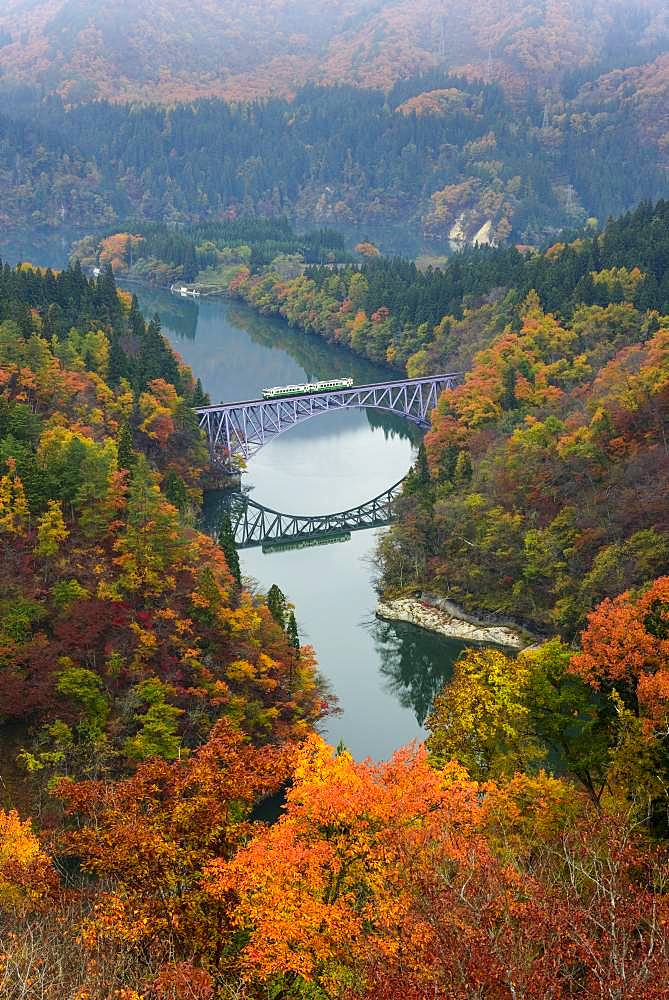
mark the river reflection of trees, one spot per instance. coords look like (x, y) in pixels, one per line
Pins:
(318, 358)
(44, 248)
(177, 314)
(415, 663)
(323, 360)
(393, 425)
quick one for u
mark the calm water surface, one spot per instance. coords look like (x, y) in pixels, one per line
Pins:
(44, 249)
(384, 675)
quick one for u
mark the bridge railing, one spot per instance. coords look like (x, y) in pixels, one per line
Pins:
(391, 384)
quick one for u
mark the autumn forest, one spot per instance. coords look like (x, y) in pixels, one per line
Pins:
(173, 824)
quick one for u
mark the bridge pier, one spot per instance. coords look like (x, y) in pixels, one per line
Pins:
(222, 476)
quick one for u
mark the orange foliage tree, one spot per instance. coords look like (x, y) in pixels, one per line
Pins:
(397, 880)
(150, 836)
(626, 646)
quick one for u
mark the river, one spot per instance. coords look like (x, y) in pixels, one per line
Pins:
(384, 676)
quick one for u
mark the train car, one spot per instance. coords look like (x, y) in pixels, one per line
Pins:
(331, 385)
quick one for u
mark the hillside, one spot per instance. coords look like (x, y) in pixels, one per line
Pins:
(453, 159)
(486, 123)
(109, 598)
(542, 488)
(150, 704)
(84, 50)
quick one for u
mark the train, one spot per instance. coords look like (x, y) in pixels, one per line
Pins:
(332, 385)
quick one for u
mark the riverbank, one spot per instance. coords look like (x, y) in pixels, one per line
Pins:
(447, 622)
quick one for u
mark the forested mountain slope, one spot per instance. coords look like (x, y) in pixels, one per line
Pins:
(392, 312)
(134, 668)
(542, 490)
(88, 49)
(457, 160)
(475, 122)
(123, 631)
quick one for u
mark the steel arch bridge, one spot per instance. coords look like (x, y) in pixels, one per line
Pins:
(254, 524)
(240, 430)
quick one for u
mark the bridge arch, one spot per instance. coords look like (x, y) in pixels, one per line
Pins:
(255, 524)
(240, 430)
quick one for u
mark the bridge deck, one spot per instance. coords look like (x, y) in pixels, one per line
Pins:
(393, 383)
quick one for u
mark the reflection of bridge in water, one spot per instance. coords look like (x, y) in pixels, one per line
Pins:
(256, 525)
(242, 429)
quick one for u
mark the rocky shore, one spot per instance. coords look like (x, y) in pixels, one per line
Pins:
(447, 623)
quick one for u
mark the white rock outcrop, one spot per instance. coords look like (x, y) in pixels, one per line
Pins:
(484, 236)
(406, 609)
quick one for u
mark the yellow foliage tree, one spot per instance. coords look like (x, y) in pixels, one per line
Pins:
(51, 530)
(480, 719)
(13, 503)
(27, 876)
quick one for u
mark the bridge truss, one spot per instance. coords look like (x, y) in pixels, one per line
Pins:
(240, 430)
(254, 525)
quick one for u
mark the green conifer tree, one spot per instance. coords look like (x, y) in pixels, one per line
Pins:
(126, 451)
(108, 297)
(463, 468)
(175, 491)
(277, 604)
(119, 366)
(422, 467)
(292, 632)
(200, 397)
(157, 360)
(226, 542)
